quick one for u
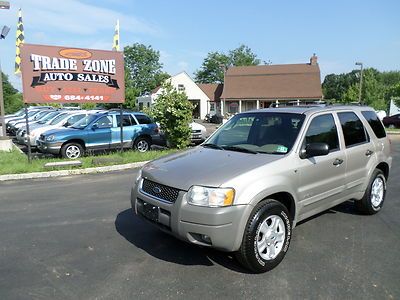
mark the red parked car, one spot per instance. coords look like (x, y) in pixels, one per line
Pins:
(392, 121)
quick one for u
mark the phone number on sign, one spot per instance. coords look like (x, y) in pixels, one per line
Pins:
(83, 97)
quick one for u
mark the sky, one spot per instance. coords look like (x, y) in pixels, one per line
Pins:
(183, 31)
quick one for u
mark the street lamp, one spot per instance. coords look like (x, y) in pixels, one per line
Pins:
(361, 79)
(4, 32)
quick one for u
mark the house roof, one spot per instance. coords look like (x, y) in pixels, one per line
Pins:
(291, 81)
(212, 90)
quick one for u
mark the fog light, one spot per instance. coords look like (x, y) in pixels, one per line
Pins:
(206, 238)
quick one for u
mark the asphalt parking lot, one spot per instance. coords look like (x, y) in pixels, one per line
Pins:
(76, 238)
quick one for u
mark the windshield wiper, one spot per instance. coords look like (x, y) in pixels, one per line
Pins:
(213, 146)
(239, 149)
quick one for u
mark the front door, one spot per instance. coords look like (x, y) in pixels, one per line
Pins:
(321, 178)
(99, 136)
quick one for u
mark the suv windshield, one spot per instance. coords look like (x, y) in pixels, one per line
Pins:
(267, 132)
(58, 119)
(84, 122)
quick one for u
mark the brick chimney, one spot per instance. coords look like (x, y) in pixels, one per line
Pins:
(314, 60)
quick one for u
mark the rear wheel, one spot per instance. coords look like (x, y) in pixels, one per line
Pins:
(72, 150)
(142, 144)
(374, 196)
(266, 238)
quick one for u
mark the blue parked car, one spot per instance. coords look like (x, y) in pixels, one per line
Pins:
(101, 131)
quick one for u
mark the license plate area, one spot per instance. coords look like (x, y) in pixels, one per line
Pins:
(147, 210)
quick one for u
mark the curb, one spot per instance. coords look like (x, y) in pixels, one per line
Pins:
(393, 132)
(61, 173)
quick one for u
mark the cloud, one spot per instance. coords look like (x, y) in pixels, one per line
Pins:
(76, 17)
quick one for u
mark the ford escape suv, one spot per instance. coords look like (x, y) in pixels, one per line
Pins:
(247, 185)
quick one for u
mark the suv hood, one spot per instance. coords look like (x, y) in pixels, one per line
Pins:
(62, 131)
(203, 166)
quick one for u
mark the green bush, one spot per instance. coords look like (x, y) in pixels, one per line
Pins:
(173, 111)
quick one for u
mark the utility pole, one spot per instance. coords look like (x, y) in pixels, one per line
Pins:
(4, 32)
(361, 81)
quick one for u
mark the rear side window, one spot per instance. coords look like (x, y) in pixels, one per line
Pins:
(375, 123)
(353, 129)
(323, 130)
(143, 119)
(126, 121)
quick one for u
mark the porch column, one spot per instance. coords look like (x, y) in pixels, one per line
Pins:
(258, 104)
(240, 106)
(222, 107)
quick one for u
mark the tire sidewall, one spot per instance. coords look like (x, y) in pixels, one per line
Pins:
(279, 210)
(65, 147)
(377, 174)
(145, 140)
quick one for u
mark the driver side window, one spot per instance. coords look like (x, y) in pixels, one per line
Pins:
(104, 122)
(323, 129)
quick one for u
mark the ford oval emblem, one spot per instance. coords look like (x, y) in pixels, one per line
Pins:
(156, 190)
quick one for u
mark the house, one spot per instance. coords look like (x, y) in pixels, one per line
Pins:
(203, 97)
(253, 87)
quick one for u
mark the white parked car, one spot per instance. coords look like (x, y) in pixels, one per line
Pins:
(62, 120)
(199, 133)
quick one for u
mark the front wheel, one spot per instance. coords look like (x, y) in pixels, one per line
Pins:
(266, 238)
(72, 150)
(374, 196)
(142, 144)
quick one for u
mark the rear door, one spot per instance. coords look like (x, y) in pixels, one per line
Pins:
(128, 124)
(359, 151)
(321, 178)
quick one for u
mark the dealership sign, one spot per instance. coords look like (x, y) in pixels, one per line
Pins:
(62, 75)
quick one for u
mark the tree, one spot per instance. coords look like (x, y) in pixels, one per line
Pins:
(143, 67)
(212, 68)
(12, 98)
(335, 86)
(173, 111)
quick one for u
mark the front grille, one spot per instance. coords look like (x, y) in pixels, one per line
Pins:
(161, 191)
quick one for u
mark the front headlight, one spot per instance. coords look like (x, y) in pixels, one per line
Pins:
(211, 197)
(50, 138)
(139, 175)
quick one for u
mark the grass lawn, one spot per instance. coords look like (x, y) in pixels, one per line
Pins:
(15, 162)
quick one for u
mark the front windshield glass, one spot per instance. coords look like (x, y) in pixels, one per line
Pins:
(58, 119)
(266, 132)
(82, 123)
(41, 115)
(48, 117)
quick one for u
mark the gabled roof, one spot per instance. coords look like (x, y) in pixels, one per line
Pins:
(291, 81)
(212, 90)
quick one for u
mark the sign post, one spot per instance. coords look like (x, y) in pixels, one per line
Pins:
(53, 74)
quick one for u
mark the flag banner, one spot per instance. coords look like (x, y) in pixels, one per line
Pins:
(73, 75)
(20, 39)
(116, 38)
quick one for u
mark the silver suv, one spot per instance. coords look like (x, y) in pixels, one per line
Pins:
(256, 177)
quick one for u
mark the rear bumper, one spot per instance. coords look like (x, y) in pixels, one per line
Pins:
(219, 228)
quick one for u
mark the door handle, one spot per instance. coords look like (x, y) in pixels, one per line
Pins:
(369, 153)
(338, 162)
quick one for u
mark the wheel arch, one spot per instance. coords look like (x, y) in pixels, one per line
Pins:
(79, 141)
(384, 167)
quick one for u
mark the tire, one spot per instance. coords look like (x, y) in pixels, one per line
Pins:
(374, 196)
(72, 150)
(142, 144)
(258, 235)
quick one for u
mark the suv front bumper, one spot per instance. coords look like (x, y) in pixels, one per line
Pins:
(217, 227)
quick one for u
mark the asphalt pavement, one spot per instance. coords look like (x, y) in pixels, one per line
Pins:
(76, 238)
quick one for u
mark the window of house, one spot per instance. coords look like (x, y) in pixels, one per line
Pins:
(212, 106)
(375, 123)
(141, 106)
(181, 87)
(323, 129)
(233, 108)
(353, 129)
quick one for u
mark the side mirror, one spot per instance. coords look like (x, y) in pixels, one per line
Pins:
(315, 149)
(95, 126)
